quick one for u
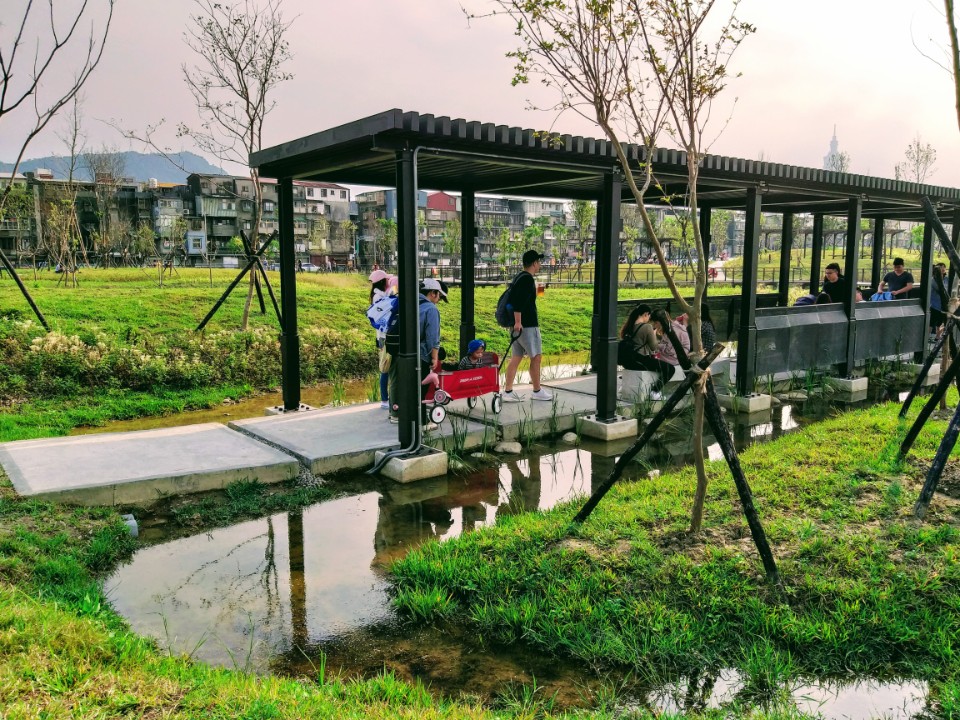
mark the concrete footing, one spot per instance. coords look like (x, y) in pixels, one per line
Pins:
(848, 385)
(617, 429)
(280, 410)
(428, 463)
(747, 405)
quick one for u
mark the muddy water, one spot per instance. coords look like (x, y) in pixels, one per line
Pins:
(287, 592)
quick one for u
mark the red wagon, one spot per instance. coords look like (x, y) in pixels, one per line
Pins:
(469, 384)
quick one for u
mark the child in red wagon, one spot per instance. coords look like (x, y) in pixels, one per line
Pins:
(474, 356)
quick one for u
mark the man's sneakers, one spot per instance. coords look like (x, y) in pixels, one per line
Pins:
(394, 419)
(515, 397)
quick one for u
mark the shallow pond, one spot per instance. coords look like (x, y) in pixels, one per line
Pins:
(307, 592)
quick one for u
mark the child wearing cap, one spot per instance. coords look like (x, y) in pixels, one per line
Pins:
(474, 356)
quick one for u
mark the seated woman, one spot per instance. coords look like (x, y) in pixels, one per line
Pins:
(661, 321)
(641, 339)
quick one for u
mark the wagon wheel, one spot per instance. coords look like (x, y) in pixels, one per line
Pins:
(496, 403)
(438, 413)
(440, 397)
(471, 402)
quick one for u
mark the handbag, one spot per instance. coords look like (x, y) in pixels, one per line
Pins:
(385, 360)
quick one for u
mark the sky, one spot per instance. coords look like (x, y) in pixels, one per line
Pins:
(810, 66)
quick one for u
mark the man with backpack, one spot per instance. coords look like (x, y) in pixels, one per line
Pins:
(431, 293)
(522, 302)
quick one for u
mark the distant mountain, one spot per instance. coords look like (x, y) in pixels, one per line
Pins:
(137, 165)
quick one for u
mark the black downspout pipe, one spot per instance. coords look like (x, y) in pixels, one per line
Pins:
(786, 251)
(854, 211)
(606, 281)
(468, 235)
(747, 335)
(289, 338)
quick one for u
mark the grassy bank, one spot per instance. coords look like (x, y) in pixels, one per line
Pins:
(868, 590)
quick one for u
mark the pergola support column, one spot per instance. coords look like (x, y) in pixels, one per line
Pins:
(747, 335)
(606, 281)
(289, 338)
(408, 355)
(878, 246)
(854, 212)
(468, 235)
(926, 285)
(816, 253)
(786, 250)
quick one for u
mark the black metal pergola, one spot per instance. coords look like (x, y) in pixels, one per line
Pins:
(408, 150)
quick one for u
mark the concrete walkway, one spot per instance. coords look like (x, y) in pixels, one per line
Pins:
(140, 467)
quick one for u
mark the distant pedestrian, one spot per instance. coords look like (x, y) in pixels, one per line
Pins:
(379, 282)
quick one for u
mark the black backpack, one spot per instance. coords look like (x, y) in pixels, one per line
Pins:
(504, 312)
(392, 340)
(627, 351)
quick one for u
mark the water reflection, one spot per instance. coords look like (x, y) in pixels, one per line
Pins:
(238, 596)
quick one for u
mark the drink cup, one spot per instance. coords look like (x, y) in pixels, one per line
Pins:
(541, 289)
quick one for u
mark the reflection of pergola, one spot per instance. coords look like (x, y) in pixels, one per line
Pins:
(408, 150)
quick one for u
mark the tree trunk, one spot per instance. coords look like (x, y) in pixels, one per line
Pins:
(696, 514)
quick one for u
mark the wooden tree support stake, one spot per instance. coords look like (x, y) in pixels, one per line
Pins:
(938, 392)
(23, 290)
(634, 450)
(253, 263)
(939, 462)
(925, 370)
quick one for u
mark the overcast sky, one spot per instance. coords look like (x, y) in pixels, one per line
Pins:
(812, 64)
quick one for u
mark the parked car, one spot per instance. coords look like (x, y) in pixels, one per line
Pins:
(310, 267)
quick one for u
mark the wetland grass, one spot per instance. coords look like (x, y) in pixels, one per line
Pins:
(867, 590)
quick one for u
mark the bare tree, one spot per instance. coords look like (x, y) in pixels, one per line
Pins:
(639, 69)
(106, 168)
(919, 158)
(839, 162)
(242, 49)
(39, 69)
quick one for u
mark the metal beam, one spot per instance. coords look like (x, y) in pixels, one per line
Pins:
(747, 335)
(816, 253)
(608, 270)
(878, 248)
(926, 285)
(408, 356)
(786, 251)
(289, 338)
(468, 235)
(849, 300)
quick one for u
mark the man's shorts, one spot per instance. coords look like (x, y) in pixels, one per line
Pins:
(529, 343)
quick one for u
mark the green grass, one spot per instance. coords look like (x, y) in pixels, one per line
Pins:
(867, 589)
(51, 417)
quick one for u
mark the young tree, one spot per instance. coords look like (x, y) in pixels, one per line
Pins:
(919, 158)
(106, 168)
(386, 237)
(46, 57)
(583, 213)
(452, 233)
(241, 51)
(639, 69)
